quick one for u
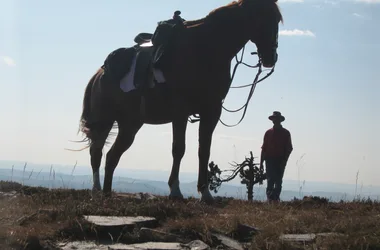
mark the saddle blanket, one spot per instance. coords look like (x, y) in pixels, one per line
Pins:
(127, 82)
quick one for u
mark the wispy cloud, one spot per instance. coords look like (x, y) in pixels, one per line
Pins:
(369, 1)
(9, 61)
(357, 15)
(291, 1)
(331, 2)
(297, 32)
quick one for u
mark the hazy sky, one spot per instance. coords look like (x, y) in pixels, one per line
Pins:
(326, 83)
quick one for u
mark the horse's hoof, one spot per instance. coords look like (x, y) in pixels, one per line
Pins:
(107, 194)
(95, 191)
(97, 188)
(208, 201)
(176, 197)
(96, 194)
(175, 191)
(207, 198)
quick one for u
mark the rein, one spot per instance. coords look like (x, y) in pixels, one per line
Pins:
(253, 86)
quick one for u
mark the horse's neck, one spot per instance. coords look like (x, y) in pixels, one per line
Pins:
(227, 37)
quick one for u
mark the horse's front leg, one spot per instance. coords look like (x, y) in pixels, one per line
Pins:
(178, 151)
(207, 124)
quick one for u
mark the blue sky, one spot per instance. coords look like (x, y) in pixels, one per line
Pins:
(324, 83)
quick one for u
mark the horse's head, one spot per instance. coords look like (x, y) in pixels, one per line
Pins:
(262, 19)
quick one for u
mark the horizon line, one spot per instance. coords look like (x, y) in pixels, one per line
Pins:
(195, 173)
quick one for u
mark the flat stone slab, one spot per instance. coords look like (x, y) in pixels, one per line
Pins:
(330, 235)
(115, 221)
(298, 237)
(85, 245)
(11, 194)
(81, 245)
(197, 245)
(228, 242)
(89, 245)
(308, 237)
(148, 246)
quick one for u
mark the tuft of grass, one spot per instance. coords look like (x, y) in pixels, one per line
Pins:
(39, 216)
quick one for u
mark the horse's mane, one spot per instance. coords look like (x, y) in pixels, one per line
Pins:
(212, 13)
(226, 7)
(221, 10)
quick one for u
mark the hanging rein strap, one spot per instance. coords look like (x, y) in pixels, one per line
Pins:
(253, 86)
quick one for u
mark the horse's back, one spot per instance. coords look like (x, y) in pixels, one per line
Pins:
(118, 62)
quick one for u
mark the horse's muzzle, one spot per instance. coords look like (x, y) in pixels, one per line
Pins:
(269, 59)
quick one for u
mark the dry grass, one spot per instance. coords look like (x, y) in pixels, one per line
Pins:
(38, 213)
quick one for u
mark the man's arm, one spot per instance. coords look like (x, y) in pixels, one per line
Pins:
(263, 149)
(288, 147)
(262, 157)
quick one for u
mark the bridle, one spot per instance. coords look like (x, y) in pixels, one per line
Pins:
(252, 85)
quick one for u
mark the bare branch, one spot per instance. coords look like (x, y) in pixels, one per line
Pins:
(248, 171)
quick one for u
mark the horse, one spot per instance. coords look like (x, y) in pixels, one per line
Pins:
(197, 80)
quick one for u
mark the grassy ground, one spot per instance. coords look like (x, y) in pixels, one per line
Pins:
(40, 215)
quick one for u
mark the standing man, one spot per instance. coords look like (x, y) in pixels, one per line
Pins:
(275, 151)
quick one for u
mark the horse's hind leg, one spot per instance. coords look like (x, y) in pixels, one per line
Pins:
(99, 137)
(124, 139)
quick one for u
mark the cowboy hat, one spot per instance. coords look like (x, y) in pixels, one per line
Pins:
(276, 114)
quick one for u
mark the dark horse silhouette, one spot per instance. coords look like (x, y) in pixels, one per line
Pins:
(197, 81)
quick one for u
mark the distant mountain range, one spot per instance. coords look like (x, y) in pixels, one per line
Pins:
(155, 182)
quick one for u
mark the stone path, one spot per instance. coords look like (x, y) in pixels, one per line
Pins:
(156, 239)
(116, 225)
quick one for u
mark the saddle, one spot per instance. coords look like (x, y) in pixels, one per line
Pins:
(151, 51)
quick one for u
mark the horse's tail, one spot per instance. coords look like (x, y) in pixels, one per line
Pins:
(85, 118)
